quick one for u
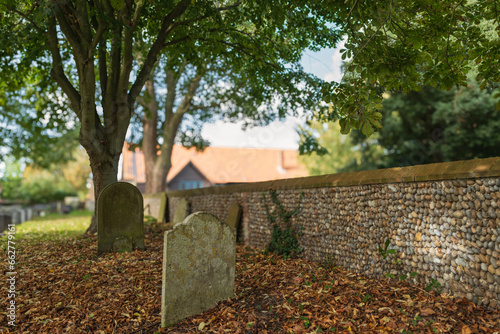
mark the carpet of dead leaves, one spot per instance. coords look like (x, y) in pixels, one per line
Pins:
(63, 287)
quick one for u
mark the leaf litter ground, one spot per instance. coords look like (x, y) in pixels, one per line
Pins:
(63, 287)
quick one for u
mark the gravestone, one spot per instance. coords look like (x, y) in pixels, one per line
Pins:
(199, 258)
(120, 225)
(3, 222)
(29, 213)
(181, 211)
(72, 201)
(155, 206)
(16, 217)
(233, 217)
(22, 215)
(5, 219)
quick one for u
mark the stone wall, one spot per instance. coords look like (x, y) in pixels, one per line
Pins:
(443, 219)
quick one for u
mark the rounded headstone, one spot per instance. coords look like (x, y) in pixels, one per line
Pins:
(119, 214)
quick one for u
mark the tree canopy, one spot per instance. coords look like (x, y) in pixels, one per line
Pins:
(192, 86)
(422, 127)
(89, 48)
(435, 126)
(408, 44)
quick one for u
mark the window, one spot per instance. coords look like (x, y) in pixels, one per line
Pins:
(190, 184)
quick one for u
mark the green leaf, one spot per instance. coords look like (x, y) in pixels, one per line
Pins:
(367, 129)
(344, 126)
(117, 4)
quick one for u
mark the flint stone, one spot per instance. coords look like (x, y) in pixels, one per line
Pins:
(181, 211)
(199, 257)
(119, 214)
(155, 206)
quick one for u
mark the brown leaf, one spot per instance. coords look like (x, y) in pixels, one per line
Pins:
(427, 311)
(465, 330)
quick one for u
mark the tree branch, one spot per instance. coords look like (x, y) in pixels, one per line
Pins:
(157, 46)
(26, 17)
(71, 22)
(57, 70)
(72, 37)
(127, 48)
(82, 16)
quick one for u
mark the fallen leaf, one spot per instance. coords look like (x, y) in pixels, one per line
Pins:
(466, 330)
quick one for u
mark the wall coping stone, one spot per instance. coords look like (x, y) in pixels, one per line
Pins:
(464, 169)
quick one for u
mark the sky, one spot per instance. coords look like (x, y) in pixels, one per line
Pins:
(325, 64)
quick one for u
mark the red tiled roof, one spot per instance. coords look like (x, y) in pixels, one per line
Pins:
(223, 164)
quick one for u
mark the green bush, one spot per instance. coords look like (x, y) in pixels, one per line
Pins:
(284, 238)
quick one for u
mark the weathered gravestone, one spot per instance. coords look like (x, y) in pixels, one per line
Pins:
(181, 211)
(155, 206)
(120, 225)
(199, 257)
(233, 217)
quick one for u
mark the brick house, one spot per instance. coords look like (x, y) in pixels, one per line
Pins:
(216, 166)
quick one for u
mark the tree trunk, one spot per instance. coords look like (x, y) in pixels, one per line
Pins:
(104, 172)
(158, 165)
(157, 179)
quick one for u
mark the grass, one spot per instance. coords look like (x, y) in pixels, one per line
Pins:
(52, 227)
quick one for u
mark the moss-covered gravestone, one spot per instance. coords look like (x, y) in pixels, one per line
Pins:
(233, 217)
(199, 258)
(181, 211)
(155, 206)
(120, 225)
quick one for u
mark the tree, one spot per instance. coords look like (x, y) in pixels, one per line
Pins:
(33, 184)
(37, 126)
(427, 126)
(89, 48)
(204, 85)
(77, 172)
(88, 45)
(408, 44)
(342, 152)
(432, 126)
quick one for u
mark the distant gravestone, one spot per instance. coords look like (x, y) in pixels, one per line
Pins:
(3, 222)
(22, 215)
(16, 217)
(155, 206)
(233, 217)
(29, 213)
(181, 211)
(72, 201)
(6, 219)
(120, 225)
(199, 257)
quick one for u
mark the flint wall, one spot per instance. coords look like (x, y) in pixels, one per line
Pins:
(443, 219)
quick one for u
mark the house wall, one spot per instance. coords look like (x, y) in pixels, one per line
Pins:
(443, 219)
(187, 174)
